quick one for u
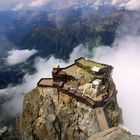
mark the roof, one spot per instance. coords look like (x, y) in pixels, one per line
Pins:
(86, 62)
(81, 67)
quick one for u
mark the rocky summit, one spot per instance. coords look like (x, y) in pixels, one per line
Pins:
(78, 103)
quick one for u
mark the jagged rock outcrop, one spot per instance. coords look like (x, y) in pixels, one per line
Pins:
(72, 105)
(44, 117)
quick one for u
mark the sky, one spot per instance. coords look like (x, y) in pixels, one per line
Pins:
(38, 4)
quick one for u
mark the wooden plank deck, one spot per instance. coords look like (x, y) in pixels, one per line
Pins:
(103, 125)
(45, 82)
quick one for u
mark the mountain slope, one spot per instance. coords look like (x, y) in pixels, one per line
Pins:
(60, 41)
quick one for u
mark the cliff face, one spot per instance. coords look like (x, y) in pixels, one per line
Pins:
(69, 109)
(44, 117)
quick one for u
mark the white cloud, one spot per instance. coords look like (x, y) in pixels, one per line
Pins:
(133, 5)
(125, 56)
(19, 56)
(97, 3)
(117, 2)
(19, 6)
(32, 4)
(43, 69)
(128, 4)
(38, 3)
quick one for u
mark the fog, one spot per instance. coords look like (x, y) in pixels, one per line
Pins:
(43, 69)
(124, 57)
(127, 4)
(19, 56)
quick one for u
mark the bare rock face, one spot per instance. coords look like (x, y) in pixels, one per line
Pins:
(78, 103)
(45, 117)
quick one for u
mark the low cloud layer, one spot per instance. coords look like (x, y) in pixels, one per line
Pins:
(43, 69)
(32, 4)
(124, 57)
(19, 56)
(128, 4)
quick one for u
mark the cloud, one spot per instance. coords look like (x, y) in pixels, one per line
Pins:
(19, 6)
(38, 3)
(124, 57)
(19, 56)
(59, 4)
(128, 4)
(29, 4)
(43, 69)
(133, 5)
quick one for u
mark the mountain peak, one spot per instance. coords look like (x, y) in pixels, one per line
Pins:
(76, 103)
